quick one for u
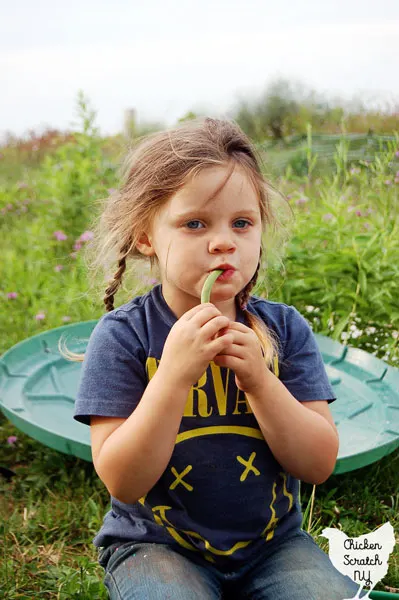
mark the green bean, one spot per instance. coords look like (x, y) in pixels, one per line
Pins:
(209, 281)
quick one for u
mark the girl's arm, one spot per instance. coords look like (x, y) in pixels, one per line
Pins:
(131, 454)
(304, 442)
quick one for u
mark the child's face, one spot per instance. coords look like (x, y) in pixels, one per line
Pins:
(191, 236)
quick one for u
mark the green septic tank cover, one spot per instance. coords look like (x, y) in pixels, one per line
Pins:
(38, 388)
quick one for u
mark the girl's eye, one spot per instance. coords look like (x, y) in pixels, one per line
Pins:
(238, 220)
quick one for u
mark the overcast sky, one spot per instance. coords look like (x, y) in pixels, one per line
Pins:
(165, 57)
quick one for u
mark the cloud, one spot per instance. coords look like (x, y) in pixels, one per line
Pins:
(174, 70)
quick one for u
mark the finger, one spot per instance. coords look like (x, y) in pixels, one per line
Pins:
(239, 327)
(207, 307)
(239, 336)
(227, 361)
(242, 332)
(224, 331)
(218, 343)
(214, 328)
(233, 350)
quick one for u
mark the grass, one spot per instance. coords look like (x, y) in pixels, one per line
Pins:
(338, 264)
(49, 510)
(52, 507)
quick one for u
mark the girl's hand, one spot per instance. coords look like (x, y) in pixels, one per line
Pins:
(244, 356)
(192, 343)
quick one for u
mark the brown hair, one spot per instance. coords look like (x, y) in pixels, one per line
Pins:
(155, 168)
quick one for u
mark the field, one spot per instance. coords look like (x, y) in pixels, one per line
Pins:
(336, 260)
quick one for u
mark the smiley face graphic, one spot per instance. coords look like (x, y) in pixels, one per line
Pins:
(228, 490)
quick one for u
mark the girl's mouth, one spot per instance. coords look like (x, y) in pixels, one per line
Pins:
(227, 274)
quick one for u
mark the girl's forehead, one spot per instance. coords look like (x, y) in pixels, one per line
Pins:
(210, 190)
(218, 177)
(214, 184)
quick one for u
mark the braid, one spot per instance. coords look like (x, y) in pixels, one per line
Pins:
(115, 283)
(244, 294)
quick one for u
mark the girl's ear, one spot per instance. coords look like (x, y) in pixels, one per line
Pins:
(144, 245)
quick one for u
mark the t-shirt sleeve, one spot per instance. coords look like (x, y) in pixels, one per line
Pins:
(302, 370)
(113, 376)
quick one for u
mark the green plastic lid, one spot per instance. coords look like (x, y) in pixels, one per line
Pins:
(38, 388)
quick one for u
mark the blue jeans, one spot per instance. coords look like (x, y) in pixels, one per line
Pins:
(298, 569)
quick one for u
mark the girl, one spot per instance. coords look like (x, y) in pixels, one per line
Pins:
(204, 417)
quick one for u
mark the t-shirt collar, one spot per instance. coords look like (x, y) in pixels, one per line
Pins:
(169, 316)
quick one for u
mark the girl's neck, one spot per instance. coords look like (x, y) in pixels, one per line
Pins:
(230, 311)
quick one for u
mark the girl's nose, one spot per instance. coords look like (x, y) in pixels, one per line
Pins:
(221, 242)
(221, 237)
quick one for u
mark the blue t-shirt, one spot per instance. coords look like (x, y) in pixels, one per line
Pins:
(223, 496)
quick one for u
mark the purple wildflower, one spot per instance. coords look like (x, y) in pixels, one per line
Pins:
(12, 295)
(86, 236)
(397, 153)
(77, 246)
(40, 316)
(388, 182)
(60, 235)
(58, 268)
(11, 440)
(328, 217)
(359, 213)
(153, 281)
(111, 190)
(301, 200)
